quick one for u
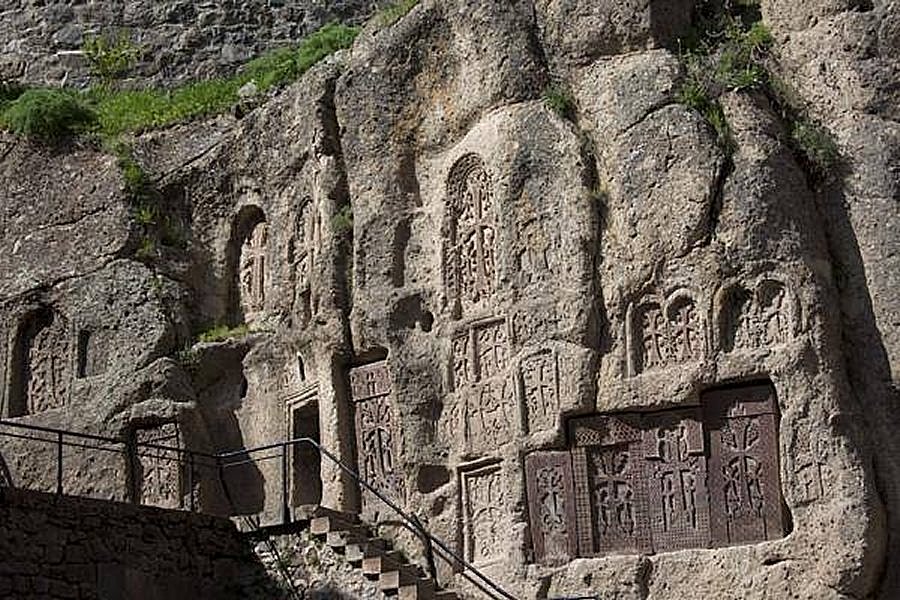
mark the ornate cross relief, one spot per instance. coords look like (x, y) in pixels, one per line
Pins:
(377, 437)
(662, 481)
(484, 519)
(42, 364)
(158, 471)
(302, 251)
(665, 333)
(470, 253)
(762, 318)
(253, 271)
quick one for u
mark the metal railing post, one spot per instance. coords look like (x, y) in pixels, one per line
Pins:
(285, 504)
(59, 463)
(190, 481)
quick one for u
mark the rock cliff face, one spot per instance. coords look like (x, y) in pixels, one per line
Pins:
(43, 42)
(600, 354)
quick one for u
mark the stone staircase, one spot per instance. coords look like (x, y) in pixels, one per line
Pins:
(388, 570)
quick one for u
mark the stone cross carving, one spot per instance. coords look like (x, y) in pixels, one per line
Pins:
(44, 364)
(551, 505)
(540, 391)
(376, 431)
(159, 477)
(253, 270)
(745, 490)
(760, 319)
(471, 257)
(485, 521)
(663, 334)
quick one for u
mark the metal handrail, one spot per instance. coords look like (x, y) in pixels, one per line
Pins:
(412, 522)
(219, 461)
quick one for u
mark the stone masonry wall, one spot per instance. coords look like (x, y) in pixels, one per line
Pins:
(40, 43)
(74, 548)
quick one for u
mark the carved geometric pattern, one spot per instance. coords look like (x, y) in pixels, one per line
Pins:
(159, 479)
(663, 334)
(253, 270)
(377, 435)
(744, 485)
(676, 469)
(551, 502)
(540, 391)
(485, 523)
(471, 257)
(759, 320)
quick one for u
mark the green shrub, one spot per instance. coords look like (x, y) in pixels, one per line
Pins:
(342, 222)
(220, 333)
(559, 100)
(392, 13)
(110, 56)
(48, 114)
(817, 146)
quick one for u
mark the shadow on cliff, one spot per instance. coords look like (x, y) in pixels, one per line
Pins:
(868, 370)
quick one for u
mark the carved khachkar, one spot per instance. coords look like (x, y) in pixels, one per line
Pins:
(93, 353)
(470, 259)
(302, 250)
(158, 476)
(611, 503)
(485, 522)
(376, 431)
(663, 334)
(42, 365)
(551, 505)
(253, 270)
(540, 391)
(490, 413)
(761, 319)
(480, 352)
(744, 485)
(676, 480)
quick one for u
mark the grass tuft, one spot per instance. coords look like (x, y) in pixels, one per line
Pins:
(342, 222)
(392, 13)
(220, 333)
(559, 100)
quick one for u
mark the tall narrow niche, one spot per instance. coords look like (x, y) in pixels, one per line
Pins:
(249, 251)
(41, 370)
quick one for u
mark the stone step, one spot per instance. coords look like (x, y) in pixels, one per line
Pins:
(421, 589)
(357, 552)
(390, 582)
(339, 540)
(320, 526)
(375, 565)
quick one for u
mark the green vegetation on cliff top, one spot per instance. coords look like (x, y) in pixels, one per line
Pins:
(51, 114)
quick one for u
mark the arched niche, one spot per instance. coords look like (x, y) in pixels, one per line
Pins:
(247, 264)
(40, 371)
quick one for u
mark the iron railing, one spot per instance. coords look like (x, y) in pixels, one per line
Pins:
(190, 461)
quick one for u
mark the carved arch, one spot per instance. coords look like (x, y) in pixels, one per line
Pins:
(40, 374)
(247, 263)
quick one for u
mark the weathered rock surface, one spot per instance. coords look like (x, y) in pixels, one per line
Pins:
(599, 355)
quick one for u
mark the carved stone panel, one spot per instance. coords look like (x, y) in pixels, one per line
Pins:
(158, 476)
(302, 251)
(93, 353)
(540, 391)
(665, 333)
(676, 470)
(41, 366)
(761, 319)
(253, 270)
(485, 522)
(480, 352)
(490, 414)
(376, 431)
(610, 485)
(470, 261)
(551, 506)
(745, 489)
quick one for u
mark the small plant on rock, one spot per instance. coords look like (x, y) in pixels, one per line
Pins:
(48, 114)
(392, 13)
(220, 333)
(111, 56)
(559, 100)
(342, 221)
